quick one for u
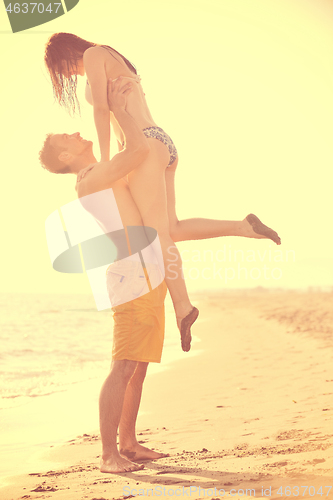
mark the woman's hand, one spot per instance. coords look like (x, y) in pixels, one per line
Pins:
(83, 172)
(117, 94)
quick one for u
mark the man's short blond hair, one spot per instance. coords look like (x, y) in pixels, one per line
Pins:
(48, 157)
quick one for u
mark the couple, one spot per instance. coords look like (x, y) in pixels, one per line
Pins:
(141, 176)
(152, 181)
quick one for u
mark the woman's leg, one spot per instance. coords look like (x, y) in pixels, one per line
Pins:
(147, 185)
(199, 229)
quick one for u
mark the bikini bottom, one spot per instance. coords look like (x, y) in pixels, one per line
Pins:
(159, 134)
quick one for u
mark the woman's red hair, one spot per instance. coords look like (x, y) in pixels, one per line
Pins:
(63, 51)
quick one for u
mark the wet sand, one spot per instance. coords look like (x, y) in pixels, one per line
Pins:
(249, 415)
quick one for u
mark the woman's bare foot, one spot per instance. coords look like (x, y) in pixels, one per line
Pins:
(184, 326)
(140, 453)
(117, 464)
(259, 230)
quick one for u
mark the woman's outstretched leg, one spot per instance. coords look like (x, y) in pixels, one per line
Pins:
(200, 229)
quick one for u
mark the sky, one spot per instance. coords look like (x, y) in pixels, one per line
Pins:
(245, 90)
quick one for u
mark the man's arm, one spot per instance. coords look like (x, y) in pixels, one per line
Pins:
(137, 148)
(135, 139)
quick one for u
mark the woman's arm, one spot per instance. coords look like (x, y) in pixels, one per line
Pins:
(136, 151)
(94, 64)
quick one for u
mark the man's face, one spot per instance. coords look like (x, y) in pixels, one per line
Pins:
(70, 143)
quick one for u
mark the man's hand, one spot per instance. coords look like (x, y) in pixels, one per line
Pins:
(117, 93)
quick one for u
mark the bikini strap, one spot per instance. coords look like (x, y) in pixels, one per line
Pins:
(126, 61)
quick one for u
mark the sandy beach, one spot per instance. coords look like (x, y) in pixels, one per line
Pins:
(249, 415)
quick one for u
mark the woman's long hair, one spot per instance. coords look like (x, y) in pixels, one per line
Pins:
(62, 52)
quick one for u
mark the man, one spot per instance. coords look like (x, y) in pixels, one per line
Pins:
(136, 342)
(121, 393)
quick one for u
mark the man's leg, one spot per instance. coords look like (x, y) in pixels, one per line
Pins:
(111, 406)
(128, 444)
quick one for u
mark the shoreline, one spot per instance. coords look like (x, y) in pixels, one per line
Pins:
(31, 424)
(251, 411)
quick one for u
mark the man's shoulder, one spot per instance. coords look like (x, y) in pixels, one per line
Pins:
(92, 182)
(82, 186)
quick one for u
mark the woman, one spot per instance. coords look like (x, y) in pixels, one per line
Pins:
(152, 183)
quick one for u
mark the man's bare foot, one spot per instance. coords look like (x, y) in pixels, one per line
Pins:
(261, 230)
(118, 464)
(184, 326)
(140, 453)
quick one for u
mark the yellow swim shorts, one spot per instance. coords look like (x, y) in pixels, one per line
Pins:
(138, 332)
